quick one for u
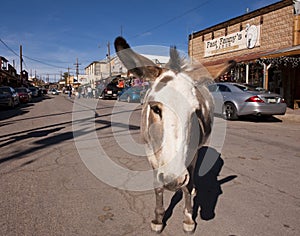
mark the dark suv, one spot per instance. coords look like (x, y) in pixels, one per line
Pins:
(110, 91)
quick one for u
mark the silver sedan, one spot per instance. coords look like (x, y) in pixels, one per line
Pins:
(233, 100)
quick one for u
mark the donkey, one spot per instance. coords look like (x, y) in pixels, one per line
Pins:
(177, 119)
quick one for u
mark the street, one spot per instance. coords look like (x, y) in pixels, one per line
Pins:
(66, 169)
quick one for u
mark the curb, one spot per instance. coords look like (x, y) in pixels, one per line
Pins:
(289, 117)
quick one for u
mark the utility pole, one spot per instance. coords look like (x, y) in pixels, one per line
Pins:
(77, 68)
(67, 79)
(21, 62)
(108, 58)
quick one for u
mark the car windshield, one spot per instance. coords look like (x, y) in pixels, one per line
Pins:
(212, 88)
(111, 86)
(137, 88)
(21, 90)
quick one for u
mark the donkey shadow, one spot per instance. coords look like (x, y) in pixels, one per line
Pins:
(208, 188)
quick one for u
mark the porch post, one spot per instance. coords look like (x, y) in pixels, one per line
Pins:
(247, 73)
(266, 76)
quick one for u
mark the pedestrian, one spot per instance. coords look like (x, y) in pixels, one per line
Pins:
(79, 92)
(70, 91)
(89, 90)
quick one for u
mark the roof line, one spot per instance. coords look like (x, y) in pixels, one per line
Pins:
(241, 18)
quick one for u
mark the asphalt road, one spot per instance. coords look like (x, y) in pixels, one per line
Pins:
(69, 168)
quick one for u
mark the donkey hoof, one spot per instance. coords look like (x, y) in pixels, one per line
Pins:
(156, 227)
(189, 228)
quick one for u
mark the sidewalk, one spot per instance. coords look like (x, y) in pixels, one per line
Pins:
(291, 115)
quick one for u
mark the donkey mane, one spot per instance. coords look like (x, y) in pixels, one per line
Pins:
(176, 62)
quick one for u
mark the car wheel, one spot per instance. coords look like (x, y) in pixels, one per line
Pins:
(229, 111)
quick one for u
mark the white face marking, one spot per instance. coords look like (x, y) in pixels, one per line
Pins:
(179, 103)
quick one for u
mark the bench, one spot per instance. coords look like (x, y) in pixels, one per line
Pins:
(296, 105)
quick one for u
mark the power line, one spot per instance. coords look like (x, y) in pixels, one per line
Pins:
(9, 48)
(29, 58)
(44, 63)
(173, 19)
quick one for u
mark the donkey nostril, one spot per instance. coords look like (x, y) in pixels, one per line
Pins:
(186, 177)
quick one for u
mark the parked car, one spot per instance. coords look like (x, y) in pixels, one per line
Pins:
(34, 91)
(131, 94)
(29, 93)
(111, 91)
(143, 93)
(53, 91)
(44, 91)
(8, 97)
(233, 100)
(23, 94)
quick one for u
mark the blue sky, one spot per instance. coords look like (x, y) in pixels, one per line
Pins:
(54, 33)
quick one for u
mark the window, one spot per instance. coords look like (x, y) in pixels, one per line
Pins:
(212, 88)
(224, 88)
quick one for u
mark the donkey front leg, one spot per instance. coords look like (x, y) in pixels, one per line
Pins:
(188, 223)
(157, 223)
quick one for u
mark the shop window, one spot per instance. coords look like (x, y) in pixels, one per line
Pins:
(226, 31)
(203, 38)
(3, 65)
(212, 35)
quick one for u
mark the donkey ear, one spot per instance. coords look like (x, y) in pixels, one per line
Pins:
(137, 64)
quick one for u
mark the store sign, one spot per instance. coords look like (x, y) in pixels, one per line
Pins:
(248, 38)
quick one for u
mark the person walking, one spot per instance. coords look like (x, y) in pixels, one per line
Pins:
(79, 92)
(70, 91)
(89, 90)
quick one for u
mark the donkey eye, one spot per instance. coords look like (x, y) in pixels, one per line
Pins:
(156, 109)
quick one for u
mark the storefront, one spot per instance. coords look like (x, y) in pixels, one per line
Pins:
(265, 44)
(8, 74)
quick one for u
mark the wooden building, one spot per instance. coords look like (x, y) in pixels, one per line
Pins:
(265, 43)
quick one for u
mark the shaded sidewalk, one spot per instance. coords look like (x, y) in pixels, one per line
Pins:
(290, 115)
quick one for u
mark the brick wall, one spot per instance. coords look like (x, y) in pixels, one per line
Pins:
(276, 33)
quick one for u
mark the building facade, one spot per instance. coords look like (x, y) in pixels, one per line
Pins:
(9, 75)
(103, 71)
(265, 44)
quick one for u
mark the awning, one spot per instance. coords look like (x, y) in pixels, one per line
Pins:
(290, 51)
(248, 57)
(214, 67)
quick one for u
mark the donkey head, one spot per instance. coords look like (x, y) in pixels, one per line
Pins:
(177, 113)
